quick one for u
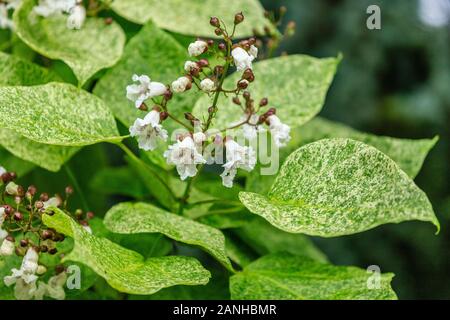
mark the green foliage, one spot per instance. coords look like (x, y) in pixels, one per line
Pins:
(285, 276)
(123, 269)
(141, 217)
(66, 115)
(86, 51)
(176, 15)
(335, 187)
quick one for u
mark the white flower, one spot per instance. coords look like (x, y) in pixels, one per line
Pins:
(144, 90)
(2, 171)
(5, 21)
(242, 59)
(251, 128)
(76, 17)
(253, 51)
(197, 48)
(181, 84)
(55, 286)
(13, 4)
(190, 65)
(25, 278)
(148, 130)
(280, 131)
(238, 157)
(3, 233)
(207, 85)
(184, 155)
(52, 202)
(7, 248)
(199, 137)
(49, 7)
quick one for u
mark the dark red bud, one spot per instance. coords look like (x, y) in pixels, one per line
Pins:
(214, 21)
(69, 190)
(32, 190)
(47, 234)
(8, 209)
(203, 63)
(242, 84)
(210, 42)
(143, 107)
(18, 216)
(44, 197)
(248, 75)
(108, 20)
(10, 238)
(238, 18)
(222, 46)
(263, 102)
(236, 101)
(246, 95)
(168, 94)
(24, 243)
(163, 115)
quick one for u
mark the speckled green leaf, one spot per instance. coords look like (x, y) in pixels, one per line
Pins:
(56, 113)
(47, 156)
(409, 154)
(336, 187)
(94, 47)
(123, 269)
(191, 17)
(262, 237)
(17, 72)
(295, 85)
(152, 52)
(142, 217)
(287, 277)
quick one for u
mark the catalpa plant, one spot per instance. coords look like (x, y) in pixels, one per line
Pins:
(211, 144)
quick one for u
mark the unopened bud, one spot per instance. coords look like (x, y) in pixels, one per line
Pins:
(189, 116)
(24, 243)
(236, 101)
(290, 28)
(222, 46)
(203, 63)
(163, 115)
(41, 270)
(32, 190)
(108, 20)
(14, 189)
(238, 18)
(214, 21)
(143, 107)
(44, 197)
(263, 102)
(242, 84)
(18, 216)
(218, 32)
(248, 75)
(246, 95)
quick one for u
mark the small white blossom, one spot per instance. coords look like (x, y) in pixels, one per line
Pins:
(253, 51)
(76, 18)
(144, 90)
(184, 155)
(7, 248)
(55, 201)
(148, 131)
(242, 59)
(280, 131)
(5, 21)
(238, 157)
(199, 137)
(55, 286)
(197, 48)
(3, 233)
(47, 8)
(190, 65)
(25, 278)
(181, 84)
(207, 85)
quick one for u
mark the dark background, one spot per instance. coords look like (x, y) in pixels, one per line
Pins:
(394, 81)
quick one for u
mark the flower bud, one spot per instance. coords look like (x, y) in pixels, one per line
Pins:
(203, 63)
(242, 84)
(246, 95)
(236, 101)
(248, 75)
(78, 213)
(18, 216)
(189, 116)
(210, 42)
(218, 70)
(168, 95)
(38, 205)
(47, 234)
(263, 102)
(214, 21)
(8, 209)
(41, 270)
(238, 18)
(163, 115)
(59, 268)
(143, 107)
(222, 46)
(69, 190)
(14, 190)
(24, 243)
(52, 251)
(44, 196)
(218, 32)
(108, 21)
(43, 248)
(32, 190)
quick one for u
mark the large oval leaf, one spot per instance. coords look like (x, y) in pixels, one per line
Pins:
(335, 187)
(95, 46)
(191, 17)
(56, 113)
(142, 217)
(283, 276)
(15, 71)
(152, 52)
(409, 154)
(123, 269)
(295, 85)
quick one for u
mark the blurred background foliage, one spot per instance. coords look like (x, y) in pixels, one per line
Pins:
(394, 81)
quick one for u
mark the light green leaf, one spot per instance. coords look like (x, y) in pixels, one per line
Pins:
(95, 46)
(152, 52)
(227, 220)
(287, 277)
(409, 154)
(262, 237)
(191, 17)
(339, 186)
(142, 217)
(47, 156)
(295, 85)
(56, 113)
(12, 163)
(123, 269)
(17, 72)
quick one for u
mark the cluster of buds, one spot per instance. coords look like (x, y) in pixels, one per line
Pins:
(23, 233)
(188, 152)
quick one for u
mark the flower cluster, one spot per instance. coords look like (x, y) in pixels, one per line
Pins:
(23, 233)
(189, 150)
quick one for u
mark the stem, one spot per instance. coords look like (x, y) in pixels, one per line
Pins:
(77, 187)
(146, 166)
